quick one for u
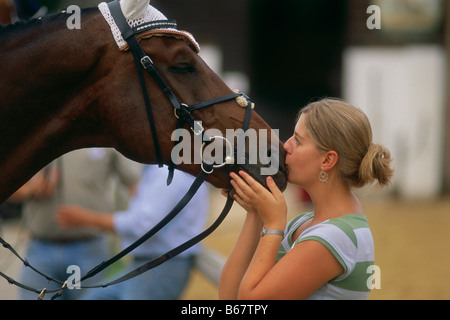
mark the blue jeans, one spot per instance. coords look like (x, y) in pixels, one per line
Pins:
(164, 282)
(53, 259)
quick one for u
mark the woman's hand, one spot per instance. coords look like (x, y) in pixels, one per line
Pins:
(232, 192)
(251, 195)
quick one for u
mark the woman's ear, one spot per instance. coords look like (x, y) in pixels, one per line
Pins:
(329, 161)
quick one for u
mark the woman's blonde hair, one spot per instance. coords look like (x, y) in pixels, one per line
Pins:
(336, 125)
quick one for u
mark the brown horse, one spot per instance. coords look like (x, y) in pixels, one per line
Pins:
(62, 89)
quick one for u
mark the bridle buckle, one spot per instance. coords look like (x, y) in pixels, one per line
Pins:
(146, 62)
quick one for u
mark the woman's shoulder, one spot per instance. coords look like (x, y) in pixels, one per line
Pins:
(352, 228)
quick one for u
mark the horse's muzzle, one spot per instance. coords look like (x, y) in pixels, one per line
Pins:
(257, 171)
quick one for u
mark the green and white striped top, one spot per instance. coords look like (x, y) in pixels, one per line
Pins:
(350, 241)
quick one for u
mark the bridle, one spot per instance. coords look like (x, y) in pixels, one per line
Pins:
(183, 113)
(181, 110)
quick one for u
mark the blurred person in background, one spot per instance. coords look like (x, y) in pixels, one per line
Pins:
(94, 178)
(151, 203)
(324, 254)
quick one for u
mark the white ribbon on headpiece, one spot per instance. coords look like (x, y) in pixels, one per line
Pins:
(149, 14)
(134, 9)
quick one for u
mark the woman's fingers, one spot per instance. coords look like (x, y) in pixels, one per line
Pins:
(274, 188)
(239, 186)
(252, 183)
(248, 188)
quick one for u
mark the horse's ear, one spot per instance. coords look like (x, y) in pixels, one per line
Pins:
(134, 9)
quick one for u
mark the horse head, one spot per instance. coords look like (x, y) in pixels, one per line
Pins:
(175, 56)
(66, 88)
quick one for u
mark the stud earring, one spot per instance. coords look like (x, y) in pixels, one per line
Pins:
(323, 176)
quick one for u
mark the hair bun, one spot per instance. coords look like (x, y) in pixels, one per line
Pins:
(376, 165)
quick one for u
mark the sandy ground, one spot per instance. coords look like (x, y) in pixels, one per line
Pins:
(412, 242)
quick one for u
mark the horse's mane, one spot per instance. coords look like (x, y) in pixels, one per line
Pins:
(45, 20)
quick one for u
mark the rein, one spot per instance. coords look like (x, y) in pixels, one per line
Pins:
(182, 112)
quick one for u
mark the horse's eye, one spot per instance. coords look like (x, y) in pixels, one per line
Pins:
(182, 68)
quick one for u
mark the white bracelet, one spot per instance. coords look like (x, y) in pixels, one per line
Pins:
(265, 231)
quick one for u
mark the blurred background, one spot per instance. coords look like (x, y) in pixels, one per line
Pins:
(392, 63)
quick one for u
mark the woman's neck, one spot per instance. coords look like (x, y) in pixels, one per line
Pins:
(333, 200)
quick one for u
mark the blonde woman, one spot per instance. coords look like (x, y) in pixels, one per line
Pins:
(322, 254)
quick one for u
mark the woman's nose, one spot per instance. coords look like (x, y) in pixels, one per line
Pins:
(286, 145)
